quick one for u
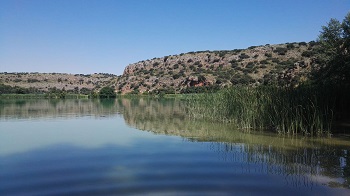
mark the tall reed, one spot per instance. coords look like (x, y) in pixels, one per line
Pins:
(303, 110)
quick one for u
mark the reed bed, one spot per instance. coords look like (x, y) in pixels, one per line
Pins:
(304, 110)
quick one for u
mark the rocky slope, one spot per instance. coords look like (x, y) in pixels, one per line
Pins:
(43, 82)
(282, 64)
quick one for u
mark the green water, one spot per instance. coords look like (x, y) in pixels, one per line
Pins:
(149, 146)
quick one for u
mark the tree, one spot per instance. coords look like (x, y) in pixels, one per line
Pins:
(334, 53)
(107, 92)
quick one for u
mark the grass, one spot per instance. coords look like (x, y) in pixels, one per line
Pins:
(304, 110)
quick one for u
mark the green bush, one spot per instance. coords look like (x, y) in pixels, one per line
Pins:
(280, 51)
(107, 92)
(268, 55)
(250, 65)
(264, 62)
(243, 56)
(307, 53)
(290, 46)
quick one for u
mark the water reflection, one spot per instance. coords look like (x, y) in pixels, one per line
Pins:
(54, 108)
(290, 156)
(301, 162)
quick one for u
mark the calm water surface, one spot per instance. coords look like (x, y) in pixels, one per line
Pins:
(145, 146)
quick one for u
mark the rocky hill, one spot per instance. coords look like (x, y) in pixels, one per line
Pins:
(282, 64)
(43, 82)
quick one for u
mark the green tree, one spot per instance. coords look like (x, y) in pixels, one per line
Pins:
(334, 53)
(107, 92)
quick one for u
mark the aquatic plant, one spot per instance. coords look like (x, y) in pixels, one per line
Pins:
(307, 110)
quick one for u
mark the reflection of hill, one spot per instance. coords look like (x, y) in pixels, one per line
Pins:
(153, 114)
(288, 155)
(46, 108)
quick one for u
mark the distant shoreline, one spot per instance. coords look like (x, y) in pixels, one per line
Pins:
(43, 96)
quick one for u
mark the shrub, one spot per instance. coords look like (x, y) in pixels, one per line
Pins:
(307, 54)
(166, 58)
(268, 55)
(107, 92)
(85, 91)
(32, 80)
(252, 47)
(280, 51)
(238, 68)
(264, 62)
(155, 64)
(275, 60)
(234, 65)
(176, 76)
(250, 65)
(197, 63)
(216, 60)
(201, 78)
(289, 63)
(243, 56)
(290, 46)
(312, 43)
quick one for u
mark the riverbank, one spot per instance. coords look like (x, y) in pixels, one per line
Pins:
(43, 96)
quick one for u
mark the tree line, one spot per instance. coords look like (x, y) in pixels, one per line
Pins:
(105, 92)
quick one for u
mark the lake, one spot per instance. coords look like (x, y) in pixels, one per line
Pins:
(149, 146)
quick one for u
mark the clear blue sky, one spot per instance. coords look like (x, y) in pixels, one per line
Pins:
(104, 36)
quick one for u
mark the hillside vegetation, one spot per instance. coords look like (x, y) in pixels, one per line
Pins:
(283, 64)
(24, 83)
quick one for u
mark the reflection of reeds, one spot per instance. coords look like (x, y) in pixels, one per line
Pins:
(306, 110)
(301, 166)
(292, 156)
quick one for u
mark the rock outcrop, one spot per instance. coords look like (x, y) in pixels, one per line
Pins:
(283, 64)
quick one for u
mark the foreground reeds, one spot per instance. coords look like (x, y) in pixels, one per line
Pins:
(303, 110)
